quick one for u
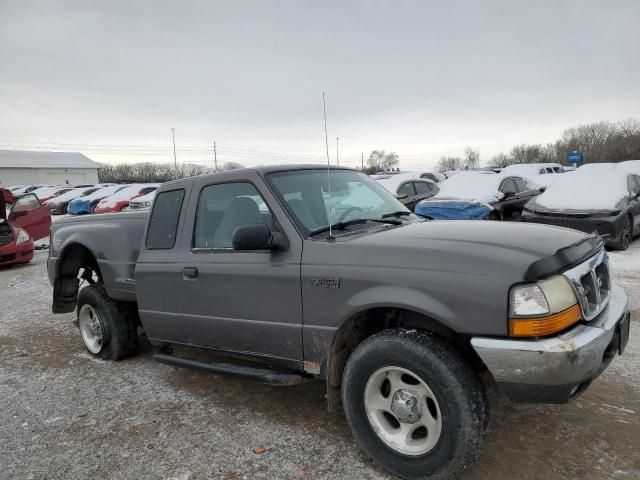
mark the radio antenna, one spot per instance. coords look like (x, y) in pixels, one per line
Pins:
(326, 142)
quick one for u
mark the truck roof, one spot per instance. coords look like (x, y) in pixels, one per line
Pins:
(261, 170)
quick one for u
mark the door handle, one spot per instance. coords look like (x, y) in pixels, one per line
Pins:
(189, 273)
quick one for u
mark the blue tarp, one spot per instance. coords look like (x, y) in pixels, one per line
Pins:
(452, 210)
(79, 206)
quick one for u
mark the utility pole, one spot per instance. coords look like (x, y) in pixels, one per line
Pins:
(175, 161)
(337, 157)
(362, 160)
(215, 156)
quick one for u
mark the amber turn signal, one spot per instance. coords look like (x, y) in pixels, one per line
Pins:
(541, 326)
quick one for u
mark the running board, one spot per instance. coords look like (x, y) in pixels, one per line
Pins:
(263, 375)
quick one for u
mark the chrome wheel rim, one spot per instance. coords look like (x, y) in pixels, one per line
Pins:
(403, 411)
(91, 328)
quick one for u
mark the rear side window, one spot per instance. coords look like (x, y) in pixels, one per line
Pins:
(633, 183)
(522, 185)
(163, 224)
(508, 186)
(407, 189)
(422, 188)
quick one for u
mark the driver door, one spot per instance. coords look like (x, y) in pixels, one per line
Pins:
(243, 301)
(27, 212)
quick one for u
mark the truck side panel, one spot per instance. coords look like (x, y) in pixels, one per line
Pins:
(114, 242)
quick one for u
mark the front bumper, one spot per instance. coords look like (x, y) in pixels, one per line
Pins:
(12, 254)
(558, 369)
(606, 227)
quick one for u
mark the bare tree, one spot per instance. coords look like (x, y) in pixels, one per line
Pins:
(231, 166)
(449, 163)
(501, 160)
(383, 161)
(471, 159)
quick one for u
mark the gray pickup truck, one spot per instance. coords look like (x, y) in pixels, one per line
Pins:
(285, 274)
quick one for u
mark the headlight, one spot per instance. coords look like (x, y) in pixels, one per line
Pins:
(542, 308)
(23, 237)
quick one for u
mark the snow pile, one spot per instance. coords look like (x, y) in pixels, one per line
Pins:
(595, 186)
(480, 187)
(124, 195)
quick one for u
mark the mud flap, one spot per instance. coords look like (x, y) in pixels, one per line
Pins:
(65, 294)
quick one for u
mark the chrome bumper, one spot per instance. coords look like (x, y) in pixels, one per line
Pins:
(557, 369)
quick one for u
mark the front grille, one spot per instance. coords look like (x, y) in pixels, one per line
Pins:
(7, 258)
(591, 282)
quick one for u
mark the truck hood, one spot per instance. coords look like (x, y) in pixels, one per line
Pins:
(473, 247)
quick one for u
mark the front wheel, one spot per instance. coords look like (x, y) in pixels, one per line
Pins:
(626, 234)
(414, 405)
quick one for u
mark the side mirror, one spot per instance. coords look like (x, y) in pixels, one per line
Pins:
(258, 237)
(542, 189)
(401, 196)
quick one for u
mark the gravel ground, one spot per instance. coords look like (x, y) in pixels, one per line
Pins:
(66, 415)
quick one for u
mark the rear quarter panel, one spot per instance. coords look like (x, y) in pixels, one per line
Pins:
(114, 240)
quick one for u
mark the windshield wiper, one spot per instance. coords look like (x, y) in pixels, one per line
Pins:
(399, 213)
(355, 221)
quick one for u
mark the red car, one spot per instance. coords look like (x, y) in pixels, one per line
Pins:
(121, 199)
(25, 221)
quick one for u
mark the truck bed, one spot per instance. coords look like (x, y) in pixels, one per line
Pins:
(114, 239)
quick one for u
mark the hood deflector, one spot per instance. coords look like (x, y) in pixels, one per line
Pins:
(565, 258)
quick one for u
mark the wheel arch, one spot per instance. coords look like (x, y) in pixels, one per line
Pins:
(366, 322)
(74, 257)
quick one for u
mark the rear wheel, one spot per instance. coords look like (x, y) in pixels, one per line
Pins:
(106, 329)
(414, 405)
(626, 234)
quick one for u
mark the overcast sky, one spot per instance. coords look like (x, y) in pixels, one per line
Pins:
(423, 79)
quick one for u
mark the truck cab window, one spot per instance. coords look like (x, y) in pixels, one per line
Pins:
(223, 208)
(163, 224)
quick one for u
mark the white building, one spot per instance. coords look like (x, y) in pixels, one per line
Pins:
(47, 168)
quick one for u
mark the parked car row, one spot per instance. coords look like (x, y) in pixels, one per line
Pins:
(600, 197)
(83, 199)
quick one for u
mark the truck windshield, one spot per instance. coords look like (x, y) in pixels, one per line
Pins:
(317, 199)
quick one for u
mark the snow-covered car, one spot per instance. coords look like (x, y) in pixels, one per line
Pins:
(122, 198)
(143, 202)
(45, 194)
(409, 188)
(59, 205)
(21, 223)
(600, 197)
(87, 203)
(542, 174)
(479, 195)
(27, 189)
(434, 176)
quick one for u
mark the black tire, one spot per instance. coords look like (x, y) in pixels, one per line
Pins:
(119, 327)
(625, 236)
(458, 389)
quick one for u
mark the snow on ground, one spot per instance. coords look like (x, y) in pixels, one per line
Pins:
(66, 415)
(625, 268)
